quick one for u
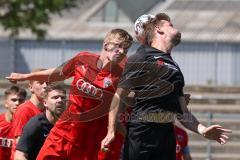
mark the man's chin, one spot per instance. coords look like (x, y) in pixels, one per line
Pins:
(177, 41)
(13, 110)
(117, 59)
(58, 113)
(114, 61)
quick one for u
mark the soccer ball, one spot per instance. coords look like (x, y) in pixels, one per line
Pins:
(138, 26)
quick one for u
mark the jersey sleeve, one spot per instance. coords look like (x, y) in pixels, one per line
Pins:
(69, 66)
(28, 137)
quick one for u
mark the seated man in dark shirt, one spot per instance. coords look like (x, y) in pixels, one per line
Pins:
(37, 129)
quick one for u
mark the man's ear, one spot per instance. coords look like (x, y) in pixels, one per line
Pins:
(45, 103)
(5, 104)
(105, 46)
(30, 87)
(159, 30)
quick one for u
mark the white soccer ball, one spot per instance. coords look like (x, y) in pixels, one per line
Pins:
(138, 25)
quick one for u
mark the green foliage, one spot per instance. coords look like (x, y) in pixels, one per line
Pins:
(31, 14)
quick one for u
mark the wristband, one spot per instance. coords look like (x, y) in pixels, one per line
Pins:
(201, 129)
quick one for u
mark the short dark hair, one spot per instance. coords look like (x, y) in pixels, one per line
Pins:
(149, 26)
(52, 87)
(15, 90)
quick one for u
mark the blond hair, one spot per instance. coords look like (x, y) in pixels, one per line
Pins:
(118, 34)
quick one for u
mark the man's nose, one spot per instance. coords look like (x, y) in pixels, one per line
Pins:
(17, 102)
(61, 99)
(44, 85)
(120, 50)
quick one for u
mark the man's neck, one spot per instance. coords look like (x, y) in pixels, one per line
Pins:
(8, 116)
(51, 118)
(163, 46)
(36, 101)
(104, 63)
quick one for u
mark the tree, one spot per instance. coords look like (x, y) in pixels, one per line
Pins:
(31, 14)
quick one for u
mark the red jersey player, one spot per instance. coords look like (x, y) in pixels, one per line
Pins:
(13, 97)
(28, 109)
(79, 131)
(182, 150)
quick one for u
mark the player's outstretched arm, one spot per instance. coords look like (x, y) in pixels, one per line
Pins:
(213, 132)
(38, 76)
(60, 73)
(49, 75)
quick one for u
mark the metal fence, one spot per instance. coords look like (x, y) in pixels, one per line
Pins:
(209, 63)
(202, 63)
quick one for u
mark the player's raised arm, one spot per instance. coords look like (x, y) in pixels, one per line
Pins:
(37, 76)
(49, 75)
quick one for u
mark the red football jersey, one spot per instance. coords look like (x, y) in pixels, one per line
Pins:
(84, 122)
(181, 142)
(6, 138)
(23, 114)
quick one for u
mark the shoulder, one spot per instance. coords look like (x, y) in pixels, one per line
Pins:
(26, 109)
(34, 123)
(85, 58)
(87, 55)
(38, 117)
(3, 121)
(25, 106)
(2, 116)
(138, 55)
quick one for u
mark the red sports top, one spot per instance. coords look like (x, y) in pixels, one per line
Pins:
(6, 138)
(23, 114)
(181, 142)
(90, 97)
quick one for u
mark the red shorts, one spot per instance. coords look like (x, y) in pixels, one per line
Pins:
(58, 148)
(114, 149)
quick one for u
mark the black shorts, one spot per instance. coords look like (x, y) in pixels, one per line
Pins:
(150, 141)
